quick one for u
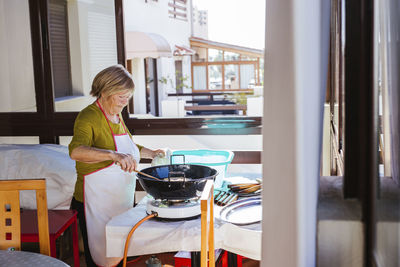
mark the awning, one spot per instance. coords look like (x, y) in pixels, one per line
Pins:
(182, 50)
(145, 44)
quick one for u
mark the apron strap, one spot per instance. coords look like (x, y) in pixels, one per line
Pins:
(108, 122)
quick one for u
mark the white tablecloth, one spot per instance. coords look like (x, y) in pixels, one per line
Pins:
(158, 236)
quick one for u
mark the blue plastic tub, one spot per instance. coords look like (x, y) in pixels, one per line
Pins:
(217, 159)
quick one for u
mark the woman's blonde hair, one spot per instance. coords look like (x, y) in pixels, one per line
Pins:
(111, 80)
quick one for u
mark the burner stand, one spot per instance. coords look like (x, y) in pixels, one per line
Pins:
(173, 209)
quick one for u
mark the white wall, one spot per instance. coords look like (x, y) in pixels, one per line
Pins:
(153, 17)
(295, 79)
(17, 88)
(139, 95)
(200, 16)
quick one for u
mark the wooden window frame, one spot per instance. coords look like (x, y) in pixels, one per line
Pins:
(255, 63)
(361, 156)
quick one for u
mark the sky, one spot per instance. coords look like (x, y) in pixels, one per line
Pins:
(237, 22)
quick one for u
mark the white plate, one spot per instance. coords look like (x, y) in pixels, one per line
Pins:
(242, 212)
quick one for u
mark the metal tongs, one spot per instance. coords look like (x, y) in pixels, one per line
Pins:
(245, 188)
(223, 197)
(233, 191)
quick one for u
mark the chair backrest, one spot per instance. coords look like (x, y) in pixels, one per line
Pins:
(10, 224)
(207, 225)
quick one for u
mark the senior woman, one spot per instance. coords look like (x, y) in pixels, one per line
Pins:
(105, 156)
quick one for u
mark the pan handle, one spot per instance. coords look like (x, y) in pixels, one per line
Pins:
(178, 155)
(177, 174)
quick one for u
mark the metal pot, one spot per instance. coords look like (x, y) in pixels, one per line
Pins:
(178, 181)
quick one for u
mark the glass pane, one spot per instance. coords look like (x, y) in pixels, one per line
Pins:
(230, 56)
(16, 65)
(214, 55)
(215, 77)
(247, 78)
(231, 76)
(247, 58)
(201, 54)
(16, 140)
(199, 78)
(261, 71)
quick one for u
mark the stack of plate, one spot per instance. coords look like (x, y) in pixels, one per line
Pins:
(242, 212)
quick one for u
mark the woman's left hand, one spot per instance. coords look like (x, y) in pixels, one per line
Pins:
(158, 152)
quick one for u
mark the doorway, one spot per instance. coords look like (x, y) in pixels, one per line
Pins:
(152, 103)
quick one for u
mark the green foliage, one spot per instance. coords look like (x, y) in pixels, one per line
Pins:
(180, 83)
(239, 98)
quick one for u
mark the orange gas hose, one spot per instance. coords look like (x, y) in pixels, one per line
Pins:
(128, 238)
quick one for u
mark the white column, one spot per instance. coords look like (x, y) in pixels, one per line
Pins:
(295, 79)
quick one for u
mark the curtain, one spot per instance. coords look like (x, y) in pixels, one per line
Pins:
(246, 76)
(199, 79)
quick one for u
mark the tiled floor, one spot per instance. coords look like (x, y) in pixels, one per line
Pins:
(165, 258)
(65, 254)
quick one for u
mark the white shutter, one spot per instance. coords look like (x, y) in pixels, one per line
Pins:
(60, 61)
(102, 42)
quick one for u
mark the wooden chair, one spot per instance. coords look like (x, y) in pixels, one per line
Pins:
(207, 257)
(10, 224)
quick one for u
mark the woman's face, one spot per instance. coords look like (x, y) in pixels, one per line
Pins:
(119, 100)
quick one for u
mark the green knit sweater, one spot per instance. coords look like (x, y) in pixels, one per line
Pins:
(91, 129)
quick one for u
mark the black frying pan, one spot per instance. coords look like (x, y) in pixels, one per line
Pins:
(178, 181)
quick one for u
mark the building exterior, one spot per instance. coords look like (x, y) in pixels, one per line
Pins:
(170, 20)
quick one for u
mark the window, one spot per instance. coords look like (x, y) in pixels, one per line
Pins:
(199, 73)
(226, 68)
(178, 76)
(214, 55)
(247, 77)
(17, 79)
(215, 77)
(231, 73)
(230, 56)
(177, 9)
(60, 60)
(201, 54)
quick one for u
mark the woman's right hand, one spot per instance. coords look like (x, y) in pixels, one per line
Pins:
(125, 161)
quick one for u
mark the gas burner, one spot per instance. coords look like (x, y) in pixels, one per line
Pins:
(175, 210)
(173, 201)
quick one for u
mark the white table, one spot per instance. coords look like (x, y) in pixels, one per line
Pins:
(156, 236)
(28, 259)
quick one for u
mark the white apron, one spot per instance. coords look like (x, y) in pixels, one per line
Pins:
(107, 193)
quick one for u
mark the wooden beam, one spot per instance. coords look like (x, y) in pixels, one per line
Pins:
(216, 107)
(234, 50)
(241, 157)
(119, 24)
(32, 124)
